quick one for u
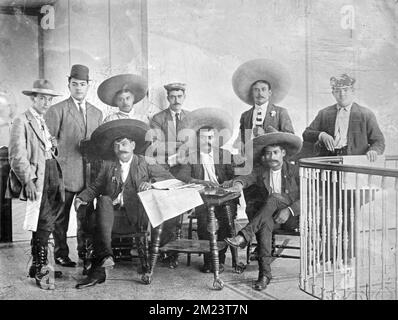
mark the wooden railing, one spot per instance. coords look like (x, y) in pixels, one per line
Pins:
(349, 229)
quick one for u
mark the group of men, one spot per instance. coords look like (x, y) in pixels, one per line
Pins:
(47, 165)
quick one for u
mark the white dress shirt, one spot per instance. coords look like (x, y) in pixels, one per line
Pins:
(208, 166)
(341, 126)
(124, 172)
(275, 180)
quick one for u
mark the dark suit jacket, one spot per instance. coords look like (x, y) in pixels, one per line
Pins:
(280, 121)
(67, 125)
(290, 183)
(193, 169)
(109, 183)
(363, 133)
(163, 121)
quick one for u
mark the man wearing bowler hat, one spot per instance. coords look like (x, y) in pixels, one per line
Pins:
(123, 92)
(345, 128)
(279, 181)
(72, 121)
(124, 173)
(36, 176)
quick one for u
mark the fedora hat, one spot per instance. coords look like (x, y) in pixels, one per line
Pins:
(289, 141)
(103, 137)
(42, 86)
(215, 118)
(80, 72)
(261, 69)
(136, 84)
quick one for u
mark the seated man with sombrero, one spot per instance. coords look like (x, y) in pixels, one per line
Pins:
(124, 173)
(279, 181)
(210, 166)
(123, 91)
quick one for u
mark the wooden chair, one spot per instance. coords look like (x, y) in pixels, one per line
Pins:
(276, 248)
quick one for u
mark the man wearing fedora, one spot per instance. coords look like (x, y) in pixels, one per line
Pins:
(123, 92)
(123, 174)
(36, 176)
(345, 128)
(210, 166)
(72, 121)
(279, 181)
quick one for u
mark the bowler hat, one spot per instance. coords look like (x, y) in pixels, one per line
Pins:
(80, 72)
(289, 141)
(103, 137)
(136, 84)
(42, 86)
(261, 69)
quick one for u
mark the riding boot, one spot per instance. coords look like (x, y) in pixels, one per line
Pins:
(45, 278)
(32, 268)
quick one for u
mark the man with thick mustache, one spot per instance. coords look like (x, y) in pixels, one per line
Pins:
(166, 126)
(279, 181)
(70, 122)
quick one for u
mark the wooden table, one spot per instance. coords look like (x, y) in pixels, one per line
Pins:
(211, 201)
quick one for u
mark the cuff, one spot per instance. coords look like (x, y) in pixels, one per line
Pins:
(291, 211)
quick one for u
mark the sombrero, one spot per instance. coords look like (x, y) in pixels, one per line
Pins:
(42, 86)
(215, 118)
(103, 137)
(132, 82)
(261, 69)
(289, 141)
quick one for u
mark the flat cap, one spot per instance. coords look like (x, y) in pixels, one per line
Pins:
(175, 86)
(342, 81)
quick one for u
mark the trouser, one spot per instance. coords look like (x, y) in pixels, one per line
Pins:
(262, 226)
(224, 229)
(61, 229)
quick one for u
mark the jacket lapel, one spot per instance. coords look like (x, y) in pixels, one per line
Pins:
(249, 119)
(35, 126)
(331, 116)
(354, 123)
(268, 120)
(265, 176)
(72, 109)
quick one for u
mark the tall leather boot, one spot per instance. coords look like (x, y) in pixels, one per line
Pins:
(264, 277)
(45, 278)
(32, 268)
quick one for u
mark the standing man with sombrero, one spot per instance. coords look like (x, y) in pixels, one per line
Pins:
(260, 83)
(122, 176)
(72, 121)
(210, 166)
(123, 92)
(36, 176)
(279, 181)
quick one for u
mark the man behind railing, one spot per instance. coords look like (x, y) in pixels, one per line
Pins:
(345, 128)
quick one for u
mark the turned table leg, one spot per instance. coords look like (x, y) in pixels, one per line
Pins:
(212, 228)
(157, 232)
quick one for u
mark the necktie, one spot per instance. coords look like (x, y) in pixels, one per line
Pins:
(81, 109)
(177, 123)
(259, 118)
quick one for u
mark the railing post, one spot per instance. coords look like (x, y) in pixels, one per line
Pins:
(5, 204)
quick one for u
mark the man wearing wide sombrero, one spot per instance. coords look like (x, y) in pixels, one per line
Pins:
(72, 121)
(279, 181)
(36, 176)
(261, 84)
(124, 173)
(123, 92)
(209, 165)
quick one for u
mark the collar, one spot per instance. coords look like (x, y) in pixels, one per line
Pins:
(173, 113)
(263, 107)
(208, 155)
(128, 163)
(77, 102)
(129, 114)
(275, 172)
(348, 108)
(36, 114)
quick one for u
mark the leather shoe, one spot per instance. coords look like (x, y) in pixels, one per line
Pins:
(33, 271)
(207, 269)
(237, 241)
(95, 276)
(65, 262)
(262, 283)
